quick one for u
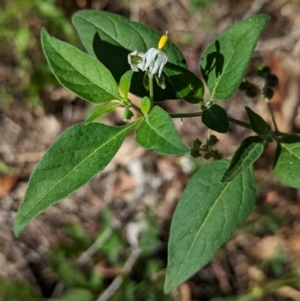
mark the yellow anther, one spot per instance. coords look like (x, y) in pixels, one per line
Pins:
(162, 41)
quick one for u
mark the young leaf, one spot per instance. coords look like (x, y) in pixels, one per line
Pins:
(103, 109)
(225, 61)
(258, 125)
(110, 38)
(207, 214)
(157, 131)
(125, 83)
(74, 158)
(247, 153)
(215, 118)
(287, 161)
(145, 105)
(78, 71)
(186, 84)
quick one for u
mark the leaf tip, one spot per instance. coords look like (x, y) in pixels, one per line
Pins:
(168, 286)
(17, 229)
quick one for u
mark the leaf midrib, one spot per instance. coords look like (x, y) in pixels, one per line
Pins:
(158, 134)
(239, 169)
(84, 75)
(291, 150)
(70, 172)
(220, 77)
(200, 229)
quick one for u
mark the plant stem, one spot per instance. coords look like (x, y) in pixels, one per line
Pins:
(135, 107)
(150, 76)
(197, 114)
(266, 289)
(272, 116)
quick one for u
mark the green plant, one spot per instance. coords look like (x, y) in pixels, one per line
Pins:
(19, 21)
(221, 194)
(72, 262)
(17, 291)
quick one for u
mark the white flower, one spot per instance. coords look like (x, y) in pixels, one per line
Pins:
(136, 60)
(154, 61)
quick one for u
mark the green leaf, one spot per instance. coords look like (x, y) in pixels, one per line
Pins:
(110, 38)
(78, 71)
(207, 214)
(247, 153)
(186, 84)
(73, 159)
(215, 118)
(77, 294)
(287, 161)
(258, 125)
(157, 131)
(103, 109)
(145, 105)
(225, 61)
(125, 83)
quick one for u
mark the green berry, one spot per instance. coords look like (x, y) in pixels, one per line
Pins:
(243, 86)
(267, 93)
(263, 70)
(272, 81)
(252, 91)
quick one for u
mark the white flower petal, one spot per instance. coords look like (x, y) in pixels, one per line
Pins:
(164, 60)
(136, 60)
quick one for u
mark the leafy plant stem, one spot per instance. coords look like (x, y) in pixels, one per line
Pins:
(196, 114)
(272, 116)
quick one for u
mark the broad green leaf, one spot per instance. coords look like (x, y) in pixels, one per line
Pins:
(215, 118)
(157, 131)
(73, 159)
(287, 161)
(125, 83)
(186, 84)
(258, 125)
(247, 153)
(110, 38)
(103, 109)
(79, 72)
(207, 214)
(225, 61)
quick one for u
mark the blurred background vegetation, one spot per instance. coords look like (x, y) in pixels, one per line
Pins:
(83, 248)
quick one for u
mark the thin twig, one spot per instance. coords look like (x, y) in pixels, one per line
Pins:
(255, 8)
(83, 258)
(113, 287)
(272, 116)
(98, 243)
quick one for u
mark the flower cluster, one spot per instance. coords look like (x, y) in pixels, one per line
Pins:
(153, 61)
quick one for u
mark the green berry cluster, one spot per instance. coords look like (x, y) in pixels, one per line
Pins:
(271, 82)
(205, 150)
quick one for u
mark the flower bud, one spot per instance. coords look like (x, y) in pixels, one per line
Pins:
(127, 114)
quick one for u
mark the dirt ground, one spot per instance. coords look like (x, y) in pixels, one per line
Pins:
(138, 180)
